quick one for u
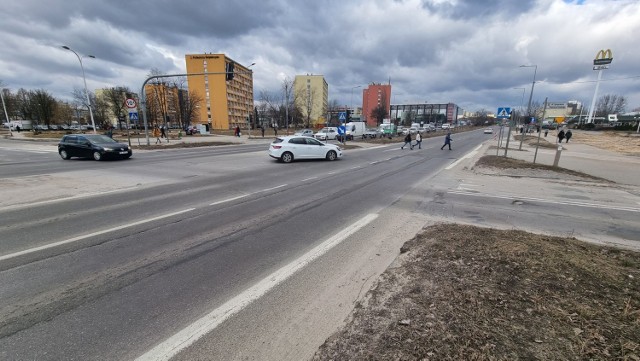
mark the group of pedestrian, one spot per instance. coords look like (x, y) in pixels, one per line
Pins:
(408, 141)
(562, 135)
(160, 132)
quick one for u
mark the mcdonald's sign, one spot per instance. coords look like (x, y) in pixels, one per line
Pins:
(603, 57)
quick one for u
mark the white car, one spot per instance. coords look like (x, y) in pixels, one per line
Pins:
(327, 133)
(287, 149)
(488, 131)
(304, 132)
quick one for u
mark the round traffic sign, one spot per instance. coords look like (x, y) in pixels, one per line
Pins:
(131, 103)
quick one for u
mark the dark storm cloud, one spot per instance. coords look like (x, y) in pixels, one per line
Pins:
(438, 50)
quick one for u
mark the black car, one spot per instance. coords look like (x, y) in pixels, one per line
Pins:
(94, 146)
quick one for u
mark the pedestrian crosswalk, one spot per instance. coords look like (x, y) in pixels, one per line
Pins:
(37, 150)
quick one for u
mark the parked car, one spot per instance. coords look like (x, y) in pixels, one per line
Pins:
(96, 146)
(191, 130)
(286, 149)
(304, 132)
(326, 133)
(488, 131)
(446, 126)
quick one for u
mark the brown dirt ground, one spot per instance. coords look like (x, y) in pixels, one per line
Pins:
(467, 293)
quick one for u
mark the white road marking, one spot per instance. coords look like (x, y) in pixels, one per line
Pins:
(246, 195)
(228, 200)
(468, 155)
(192, 333)
(542, 200)
(78, 238)
(308, 179)
(85, 195)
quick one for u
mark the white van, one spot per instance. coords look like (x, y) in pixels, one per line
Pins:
(355, 129)
(23, 124)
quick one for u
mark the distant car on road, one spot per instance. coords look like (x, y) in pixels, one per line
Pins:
(96, 146)
(304, 132)
(287, 149)
(488, 131)
(327, 133)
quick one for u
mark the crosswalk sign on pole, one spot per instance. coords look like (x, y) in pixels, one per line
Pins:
(504, 113)
(133, 116)
(342, 116)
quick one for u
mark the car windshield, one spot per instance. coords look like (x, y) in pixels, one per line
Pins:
(99, 139)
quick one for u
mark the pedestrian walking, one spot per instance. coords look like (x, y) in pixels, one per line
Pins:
(157, 134)
(407, 140)
(560, 136)
(447, 141)
(546, 131)
(568, 135)
(163, 133)
(419, 140)
(237, 132)
(275, 130)
(262, 130)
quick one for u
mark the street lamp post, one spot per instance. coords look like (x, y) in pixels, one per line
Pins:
(86, 92)
(535, 71)
(521, 103)
(249, 103)
(5, 111)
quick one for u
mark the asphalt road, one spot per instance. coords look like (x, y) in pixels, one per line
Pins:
(223, 253)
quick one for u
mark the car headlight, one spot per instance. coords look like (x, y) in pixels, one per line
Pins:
(107, 149)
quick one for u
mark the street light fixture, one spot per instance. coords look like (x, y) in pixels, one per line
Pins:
(86, 92)
(351, 101)
(535, 71)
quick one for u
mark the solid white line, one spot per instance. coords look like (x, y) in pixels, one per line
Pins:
(190, 334)
(308, 179)
(568, 203)
(78, 238)
(468, 155)
(356, 167)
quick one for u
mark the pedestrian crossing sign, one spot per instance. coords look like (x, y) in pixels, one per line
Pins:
(133, 115)
(504, 113)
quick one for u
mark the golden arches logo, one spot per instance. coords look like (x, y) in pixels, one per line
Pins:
(603, 57)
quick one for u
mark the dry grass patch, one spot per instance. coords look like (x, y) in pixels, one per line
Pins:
(468, 293)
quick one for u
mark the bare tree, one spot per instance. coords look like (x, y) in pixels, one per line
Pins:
(114, 99)
(610, 104)
(189, 108)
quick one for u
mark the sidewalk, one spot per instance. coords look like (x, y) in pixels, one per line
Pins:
(616, 167)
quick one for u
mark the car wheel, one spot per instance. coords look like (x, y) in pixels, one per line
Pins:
(332, 155)
(97, 156)
(286, 157)
(64, 155)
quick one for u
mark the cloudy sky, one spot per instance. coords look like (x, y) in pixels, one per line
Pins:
(464, 51)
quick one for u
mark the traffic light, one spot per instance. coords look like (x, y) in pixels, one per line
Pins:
(348, 115)
(230, 67)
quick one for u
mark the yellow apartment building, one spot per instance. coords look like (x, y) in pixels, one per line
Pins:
(224, 104)
(311, 97)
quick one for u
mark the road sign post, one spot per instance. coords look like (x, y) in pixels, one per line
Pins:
(503, 113)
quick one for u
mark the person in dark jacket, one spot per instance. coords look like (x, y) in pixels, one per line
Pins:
(560, 136)
(407, 140)
(447, 141)
(568, 135)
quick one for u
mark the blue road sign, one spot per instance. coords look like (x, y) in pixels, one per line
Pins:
(504, 113)
(342, 116)
(133, 115)
(342, 129)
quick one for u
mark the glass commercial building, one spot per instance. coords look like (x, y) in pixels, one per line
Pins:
(406, 114)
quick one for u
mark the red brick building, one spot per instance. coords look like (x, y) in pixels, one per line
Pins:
(374, 96)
